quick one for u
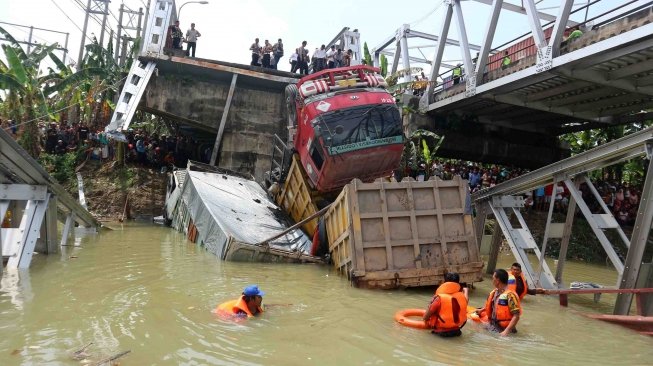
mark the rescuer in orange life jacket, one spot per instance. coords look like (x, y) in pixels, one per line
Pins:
(517, 283)
(248, 304)
(447, 312)
(502, 307)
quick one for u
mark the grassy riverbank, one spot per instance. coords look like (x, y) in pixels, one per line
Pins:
(112, 193)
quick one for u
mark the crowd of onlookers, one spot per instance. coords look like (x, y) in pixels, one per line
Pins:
(621, 199)
(479, 176)
(268, 56)
(141, 148)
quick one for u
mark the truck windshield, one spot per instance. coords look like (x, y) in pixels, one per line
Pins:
(360, 127)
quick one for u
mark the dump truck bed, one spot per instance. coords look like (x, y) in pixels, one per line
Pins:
(403, 234)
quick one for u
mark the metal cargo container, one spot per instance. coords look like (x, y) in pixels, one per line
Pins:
(403, 234)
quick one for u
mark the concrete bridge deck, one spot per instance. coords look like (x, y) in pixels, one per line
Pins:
(195, 92)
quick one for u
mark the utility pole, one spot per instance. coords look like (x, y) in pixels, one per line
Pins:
(134, 21)
(29, 40)
(104, 21)
(92, 7)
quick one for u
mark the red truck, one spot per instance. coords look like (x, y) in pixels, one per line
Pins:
(344, 124)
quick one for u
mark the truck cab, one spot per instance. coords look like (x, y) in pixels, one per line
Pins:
(344, 124)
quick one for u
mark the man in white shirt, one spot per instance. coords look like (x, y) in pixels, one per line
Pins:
(329, 55)
(191, 39)
(320, 59)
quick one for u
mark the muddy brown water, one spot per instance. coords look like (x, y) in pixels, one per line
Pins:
(146, 289)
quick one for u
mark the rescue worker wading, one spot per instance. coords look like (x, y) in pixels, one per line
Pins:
(517, 283)
(502, 305)
(248, 304)
(447, 312)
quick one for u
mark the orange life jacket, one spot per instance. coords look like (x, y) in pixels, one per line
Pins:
(512, 284)
(448, 288)
(445, 320)
(503, 315)
(234, 306)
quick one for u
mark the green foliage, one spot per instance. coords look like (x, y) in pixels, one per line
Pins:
(366, 55)
(420, 148)
(61, 167)
(631, 171)
(384, 65)
(126, 177)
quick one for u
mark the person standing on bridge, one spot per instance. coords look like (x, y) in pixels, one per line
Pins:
(294, 61)
(277, 52)
(191, 39)
(267, 49)
(347, 58)
(506, 61)
(337, 58)
(256, 50)
(457, 73)
(331, 63)
(303, 59)
(177, 36)
(576, 33)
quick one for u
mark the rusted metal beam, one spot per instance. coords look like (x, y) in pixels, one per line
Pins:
(234, 70)
(600, 291)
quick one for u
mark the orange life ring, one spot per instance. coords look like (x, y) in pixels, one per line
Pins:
(403, 317)
(471, 314)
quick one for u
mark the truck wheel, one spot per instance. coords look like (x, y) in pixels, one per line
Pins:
(291, 104)
(323, 246)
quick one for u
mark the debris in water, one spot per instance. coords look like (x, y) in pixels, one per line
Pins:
(81, 354)
(34, 347)
(15, 352)
(191, 308)
(257, 200)
(73, 257)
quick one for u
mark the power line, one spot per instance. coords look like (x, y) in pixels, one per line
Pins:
(72, 21)
(93, 16)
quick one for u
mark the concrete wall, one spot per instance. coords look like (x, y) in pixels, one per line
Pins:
(253, 119)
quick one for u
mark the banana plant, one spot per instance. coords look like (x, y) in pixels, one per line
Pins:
(420, 148)
(28, 89)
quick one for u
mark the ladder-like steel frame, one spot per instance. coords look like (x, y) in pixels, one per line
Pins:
(572, 172)
(141, 72)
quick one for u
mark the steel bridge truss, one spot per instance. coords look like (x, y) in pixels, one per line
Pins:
(608, 77)
(34, 199)
(402, 49)
(503, 201)
(546, 50)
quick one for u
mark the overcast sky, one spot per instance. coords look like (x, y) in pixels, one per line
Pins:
(229, 27)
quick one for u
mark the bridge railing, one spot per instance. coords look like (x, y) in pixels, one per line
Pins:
(523, 50)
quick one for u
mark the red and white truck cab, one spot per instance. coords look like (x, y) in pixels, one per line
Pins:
(344, 124)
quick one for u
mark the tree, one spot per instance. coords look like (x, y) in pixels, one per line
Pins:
(366, 55)
(384, 65)
(28, 89)
(420, 148)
